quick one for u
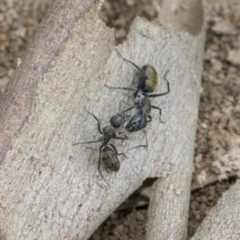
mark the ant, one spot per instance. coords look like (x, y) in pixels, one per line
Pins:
(147, 83)
(108, 154)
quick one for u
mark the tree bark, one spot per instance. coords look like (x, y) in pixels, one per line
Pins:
(50, 189)
(223, 221)
(169, 201)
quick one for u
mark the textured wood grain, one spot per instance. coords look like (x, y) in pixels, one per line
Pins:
(50, 189)
(17, 100)
(223, 221)
(169, 201)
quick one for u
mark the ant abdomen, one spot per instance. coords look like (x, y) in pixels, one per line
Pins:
(151, 79)
(110, 159)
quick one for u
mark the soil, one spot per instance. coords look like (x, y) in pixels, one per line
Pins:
(217, 149)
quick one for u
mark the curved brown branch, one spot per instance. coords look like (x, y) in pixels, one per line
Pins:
(16, 101)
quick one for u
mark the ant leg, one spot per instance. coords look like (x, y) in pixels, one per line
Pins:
(145, 138)
(150, 118)
(98, 122)
(145, 145)
(162, 94)
(160, 112)
(86, 142)
(120, 105)
(123, 88)
(136, 66)
(115, 150)
(123, 137)
(94, 149)
(130, 62)
(129, 109)
(99, 163)
(126, 104)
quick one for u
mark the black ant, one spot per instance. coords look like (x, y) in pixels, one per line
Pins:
(147, 83)
(108, 154)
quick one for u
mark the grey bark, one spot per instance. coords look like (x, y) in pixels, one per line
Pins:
(223, 221)
(50, 189)
(169, 201)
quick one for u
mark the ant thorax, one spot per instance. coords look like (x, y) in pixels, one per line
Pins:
(139, 97)
(109, 130)
(108, 133)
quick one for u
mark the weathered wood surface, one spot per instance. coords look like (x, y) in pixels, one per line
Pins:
(53, 190)
(223, 221)
(169, 201)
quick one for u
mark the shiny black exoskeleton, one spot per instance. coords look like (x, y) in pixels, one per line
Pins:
(117, 120)
(147, 83)
(108, 154)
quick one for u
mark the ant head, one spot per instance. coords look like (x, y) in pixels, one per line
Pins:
(117, 120)
(137, 122)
